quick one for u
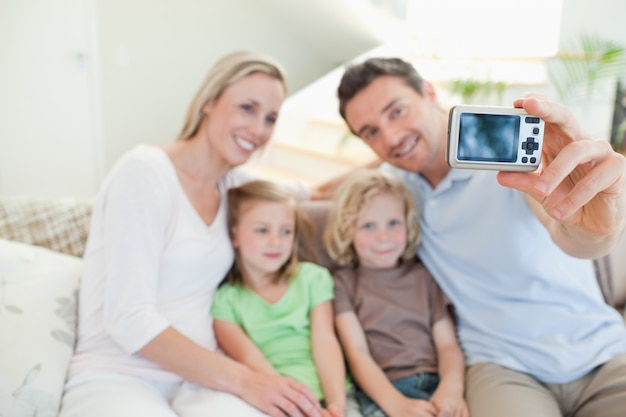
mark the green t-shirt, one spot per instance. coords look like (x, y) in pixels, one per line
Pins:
(280, 330)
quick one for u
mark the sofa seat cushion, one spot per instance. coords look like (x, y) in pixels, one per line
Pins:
(38, 300)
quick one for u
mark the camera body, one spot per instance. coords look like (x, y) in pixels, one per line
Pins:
(494, 138)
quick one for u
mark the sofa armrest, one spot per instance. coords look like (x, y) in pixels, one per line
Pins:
(617, 264)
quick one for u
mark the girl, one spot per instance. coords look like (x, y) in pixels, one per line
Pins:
(274, 314)
(392, 319)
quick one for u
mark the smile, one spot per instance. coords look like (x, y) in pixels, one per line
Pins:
(384, 252)
(244, 144)
(406, 147)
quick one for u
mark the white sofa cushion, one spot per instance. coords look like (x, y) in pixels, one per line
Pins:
(38, 300)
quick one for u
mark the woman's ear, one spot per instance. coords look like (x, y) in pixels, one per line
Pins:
(233, 238)
(206, 109)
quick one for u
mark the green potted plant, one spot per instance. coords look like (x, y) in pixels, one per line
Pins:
(582, 74)
(471, 89)
(576, 72)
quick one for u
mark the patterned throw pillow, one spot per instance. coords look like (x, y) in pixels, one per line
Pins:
(60, 224)
(38, 299)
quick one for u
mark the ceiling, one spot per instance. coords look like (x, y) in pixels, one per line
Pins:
(334, 28)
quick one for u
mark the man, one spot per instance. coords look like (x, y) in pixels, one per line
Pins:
(511, 250)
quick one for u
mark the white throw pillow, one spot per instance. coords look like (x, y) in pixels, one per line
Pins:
(38, 300)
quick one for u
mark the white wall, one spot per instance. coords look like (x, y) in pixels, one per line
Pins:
(82, 81)
(605, 17)
(155, 54)
(46, 139)
(146, 60)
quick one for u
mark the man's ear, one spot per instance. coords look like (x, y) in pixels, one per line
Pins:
(429, 91)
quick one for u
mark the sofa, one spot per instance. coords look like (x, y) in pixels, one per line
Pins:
(41, 242)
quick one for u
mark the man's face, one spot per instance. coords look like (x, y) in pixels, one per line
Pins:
(401, 126)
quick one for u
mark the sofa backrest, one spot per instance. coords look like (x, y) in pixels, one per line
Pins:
(62, 224)
(610, 270)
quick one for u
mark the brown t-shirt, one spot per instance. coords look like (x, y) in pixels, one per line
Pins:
(397, 309)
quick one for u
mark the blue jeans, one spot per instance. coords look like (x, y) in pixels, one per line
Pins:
(420, 386)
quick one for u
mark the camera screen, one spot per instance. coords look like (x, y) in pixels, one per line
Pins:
(488, 137)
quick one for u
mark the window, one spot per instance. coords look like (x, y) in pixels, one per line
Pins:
(485, 28)
(461, 28)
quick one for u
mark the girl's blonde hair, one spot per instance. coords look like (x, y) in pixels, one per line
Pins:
(352, 195)
(225, 72)
(267, 191)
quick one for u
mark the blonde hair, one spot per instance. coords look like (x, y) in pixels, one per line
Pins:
(225, 72)
(352, 195)
(267, 191)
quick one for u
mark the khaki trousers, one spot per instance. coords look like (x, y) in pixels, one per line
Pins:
(495, 391)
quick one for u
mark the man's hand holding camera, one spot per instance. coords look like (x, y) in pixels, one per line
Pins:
(580, 191)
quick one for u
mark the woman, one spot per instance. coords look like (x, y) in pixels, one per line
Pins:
(157, 249)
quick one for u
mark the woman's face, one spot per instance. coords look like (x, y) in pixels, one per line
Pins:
(242, 119)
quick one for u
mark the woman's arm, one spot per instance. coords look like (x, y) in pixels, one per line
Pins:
(448, 397)
(369, 376)
(328, 357)
(274, 395)
(131, 222)
(236, 343)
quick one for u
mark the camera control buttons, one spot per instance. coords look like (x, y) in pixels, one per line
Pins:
(530, 146)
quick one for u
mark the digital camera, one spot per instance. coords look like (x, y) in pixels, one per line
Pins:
(495, 138)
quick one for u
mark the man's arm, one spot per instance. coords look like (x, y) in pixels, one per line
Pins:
(325, 190)
(580, 193)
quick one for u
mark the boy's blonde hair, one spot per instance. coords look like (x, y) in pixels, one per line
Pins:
(267, 191)
(350, 197)
(225, 72)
